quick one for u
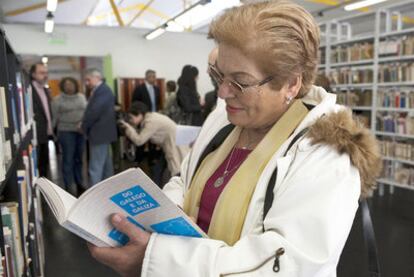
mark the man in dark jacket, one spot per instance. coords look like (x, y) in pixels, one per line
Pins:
(148, 93)
(42, 115)
(99, 126)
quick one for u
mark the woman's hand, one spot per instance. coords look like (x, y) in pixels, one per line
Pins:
(126, 260)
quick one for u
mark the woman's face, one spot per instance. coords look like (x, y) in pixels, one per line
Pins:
(69, 87)
(257, 107)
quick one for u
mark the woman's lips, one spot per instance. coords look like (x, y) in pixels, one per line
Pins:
(231, 109)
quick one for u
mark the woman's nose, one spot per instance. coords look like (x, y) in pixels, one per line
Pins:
(225, 90)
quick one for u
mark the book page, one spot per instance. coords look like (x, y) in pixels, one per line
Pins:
(134, 195)
(58, 199)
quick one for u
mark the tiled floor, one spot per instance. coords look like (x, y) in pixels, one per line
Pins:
(393, 216)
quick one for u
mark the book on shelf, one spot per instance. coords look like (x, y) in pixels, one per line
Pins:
(354, 97)
(396, 98)
(11, 270)
(399, 123)
(396, 46)
(403, 150)
(10, 219)
(349, 76)
(350, 53)
(396, 72)
(131, 193)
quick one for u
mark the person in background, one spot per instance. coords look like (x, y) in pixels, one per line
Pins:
(171, 95)
(210, 98)
(99, 126)
(276, 173)
(68, 109)
(42, 115)
(148, 92)
(188, 98)
(172, 110)
(157, 128)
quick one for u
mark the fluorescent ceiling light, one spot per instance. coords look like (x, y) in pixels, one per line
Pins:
(49, 23)
(45, 59)
(51, 5)
(155, 33)
(362, 4)
(172, 26)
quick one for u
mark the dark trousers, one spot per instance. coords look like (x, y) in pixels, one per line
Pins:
(43, 159)
(72, 144)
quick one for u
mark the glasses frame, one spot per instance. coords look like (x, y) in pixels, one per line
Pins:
(220, 79)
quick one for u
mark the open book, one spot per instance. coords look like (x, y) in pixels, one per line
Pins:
(131, 193)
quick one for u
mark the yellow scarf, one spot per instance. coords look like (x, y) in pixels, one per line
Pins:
(232, 205)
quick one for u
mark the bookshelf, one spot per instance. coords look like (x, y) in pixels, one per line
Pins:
(372, 72)
(21, 246)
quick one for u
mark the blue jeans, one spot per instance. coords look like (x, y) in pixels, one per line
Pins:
(100, 163)
(72, 144)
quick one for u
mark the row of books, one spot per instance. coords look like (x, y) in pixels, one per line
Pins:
(15, 119)
(399, 173)
(397, 149)
(20, 211)
(22, 233)
(396, 72)
(351, 76)
(354, 97)
(396, 98)
(397, 46)
(399, 123)
(350, 53)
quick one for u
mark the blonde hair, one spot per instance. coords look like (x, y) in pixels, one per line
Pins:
(282, 37)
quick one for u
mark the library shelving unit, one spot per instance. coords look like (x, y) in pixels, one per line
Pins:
(21, 241)
(369, 59)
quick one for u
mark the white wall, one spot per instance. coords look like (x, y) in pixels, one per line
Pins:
(131, 53)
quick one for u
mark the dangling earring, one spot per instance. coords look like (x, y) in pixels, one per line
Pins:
(288, 100)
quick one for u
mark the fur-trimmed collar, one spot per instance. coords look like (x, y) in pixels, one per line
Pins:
(344, 132)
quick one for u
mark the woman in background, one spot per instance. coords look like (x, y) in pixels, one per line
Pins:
(68, 109)
(188, 98)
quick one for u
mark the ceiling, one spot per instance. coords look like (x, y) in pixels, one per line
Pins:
(146, 14)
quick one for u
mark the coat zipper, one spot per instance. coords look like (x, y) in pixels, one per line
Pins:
(276, 264)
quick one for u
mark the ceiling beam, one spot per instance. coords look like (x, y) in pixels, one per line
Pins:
(116, 12)
(140, 12)
(90, 12)
(29, 8)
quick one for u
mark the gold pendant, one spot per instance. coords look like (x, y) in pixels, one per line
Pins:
(219, 181)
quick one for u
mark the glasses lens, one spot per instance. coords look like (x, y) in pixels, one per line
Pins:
(216, 75)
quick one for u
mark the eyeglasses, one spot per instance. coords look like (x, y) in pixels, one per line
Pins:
(220, 79)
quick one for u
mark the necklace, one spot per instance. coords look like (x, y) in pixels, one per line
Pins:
(220, 180)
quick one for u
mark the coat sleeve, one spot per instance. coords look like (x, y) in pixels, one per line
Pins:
(96, 108)
(140, 138)
(55, 112)
(175, 188)
(312, 214)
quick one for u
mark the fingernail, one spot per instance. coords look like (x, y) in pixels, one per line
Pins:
(116, 218)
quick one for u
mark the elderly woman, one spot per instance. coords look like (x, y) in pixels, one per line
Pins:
(276, 182)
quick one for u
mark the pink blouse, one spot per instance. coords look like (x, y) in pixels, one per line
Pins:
(211, 193)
